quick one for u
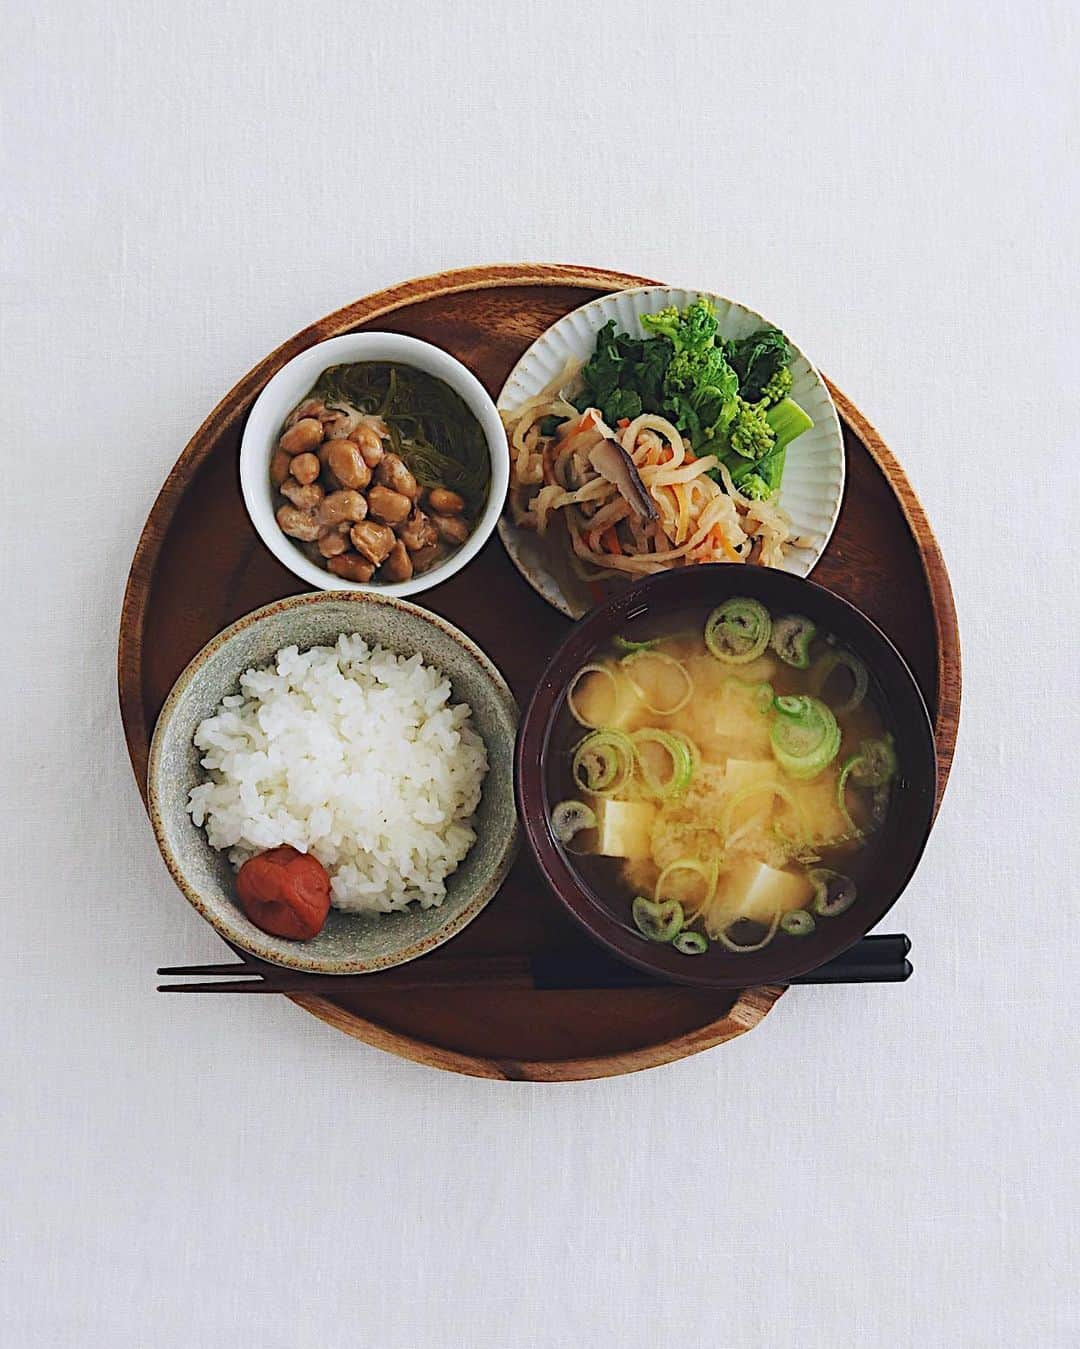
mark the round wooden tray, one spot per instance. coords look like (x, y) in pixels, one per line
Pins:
(199, 565)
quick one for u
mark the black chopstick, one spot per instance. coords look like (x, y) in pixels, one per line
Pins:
(237, 967)
(882, 948)
(857, 972)
(877, 959)
(880, 959)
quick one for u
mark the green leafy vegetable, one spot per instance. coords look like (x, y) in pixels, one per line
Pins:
(699, 385)
(694, 326)
(431, 427)
(778, 387)
(750, 435)
(649, 370)
(786, 421)
(757, 359)
(755, 487)
(622, 403)
(728, 398)
(624, 375)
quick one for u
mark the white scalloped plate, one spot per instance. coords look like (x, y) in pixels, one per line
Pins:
(813, 482)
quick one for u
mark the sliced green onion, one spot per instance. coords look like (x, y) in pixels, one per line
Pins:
(863, 770)
(624, 644)
(797, 923)
(763, 697)
(791, 638)
(834, 894)
(762, 693)
(758, 789)
(682, 762)
(738, 948)
(571, 817)
(628, 662)
(659, 922)
(708, 874)
(691, 943)
(847, 768)
(738, 631)
(588, 670)
(875, 763)
(603, 762)
(805, 737)
(834, 660)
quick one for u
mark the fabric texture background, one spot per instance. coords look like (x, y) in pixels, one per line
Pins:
(184, 186)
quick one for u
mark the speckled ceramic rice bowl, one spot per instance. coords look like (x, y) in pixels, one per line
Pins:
(349, 943)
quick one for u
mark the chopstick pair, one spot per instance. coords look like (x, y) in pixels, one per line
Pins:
(878, 959)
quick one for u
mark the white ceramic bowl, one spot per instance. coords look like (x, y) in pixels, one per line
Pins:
(282, 393)
(813, 484)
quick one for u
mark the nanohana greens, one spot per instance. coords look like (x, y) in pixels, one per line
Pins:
(725, 774)
(666, 448)
(728, 397)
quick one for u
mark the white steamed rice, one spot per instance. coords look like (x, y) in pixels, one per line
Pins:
(355, 755)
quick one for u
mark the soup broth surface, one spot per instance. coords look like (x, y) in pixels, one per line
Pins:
(718, 792)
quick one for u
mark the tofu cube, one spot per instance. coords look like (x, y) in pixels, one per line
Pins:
(626, 829)
(753, 890)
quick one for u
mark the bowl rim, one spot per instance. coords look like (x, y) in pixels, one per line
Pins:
(575, 893)
(272, 405)
(301, 961)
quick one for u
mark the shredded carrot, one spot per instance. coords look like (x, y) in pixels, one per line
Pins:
(588, 418)
(609, 540)
(682, 524)
(716, 536)
(623, 423)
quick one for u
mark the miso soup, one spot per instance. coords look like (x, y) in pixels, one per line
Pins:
(724, 775)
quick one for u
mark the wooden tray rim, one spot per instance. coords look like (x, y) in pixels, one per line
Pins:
(753, 1004)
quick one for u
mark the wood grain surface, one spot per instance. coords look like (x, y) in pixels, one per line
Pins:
(199, 565)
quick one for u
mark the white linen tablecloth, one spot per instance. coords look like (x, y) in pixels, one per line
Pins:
(186, 185)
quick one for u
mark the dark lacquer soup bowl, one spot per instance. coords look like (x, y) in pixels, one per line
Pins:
(884, 849)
